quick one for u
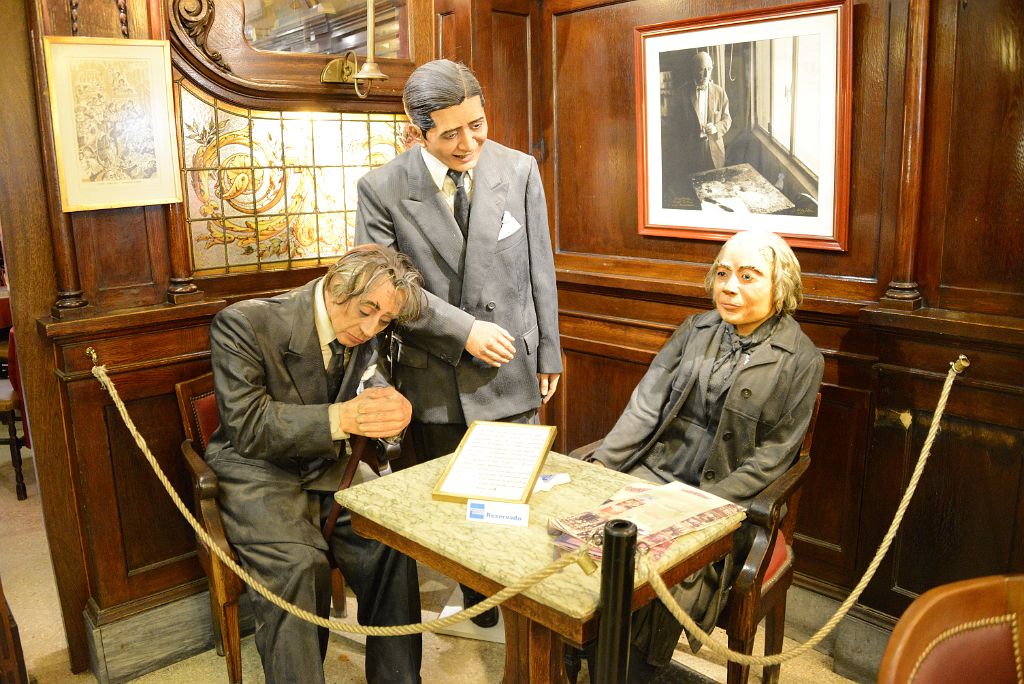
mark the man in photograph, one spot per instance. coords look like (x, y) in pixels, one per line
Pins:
(694, 128)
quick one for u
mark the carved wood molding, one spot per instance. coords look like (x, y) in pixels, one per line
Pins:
(122, 16)
(196, 18)
(73, 7)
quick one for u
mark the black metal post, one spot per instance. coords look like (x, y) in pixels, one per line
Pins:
(616, 600)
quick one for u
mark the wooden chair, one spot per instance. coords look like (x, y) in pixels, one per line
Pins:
(960, 632)
(198, 407)
(10, 409)
(759, 591)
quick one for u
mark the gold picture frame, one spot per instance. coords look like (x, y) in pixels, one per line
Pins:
(496, 461)
(112, 113)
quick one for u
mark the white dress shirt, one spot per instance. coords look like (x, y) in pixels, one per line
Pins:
(439, 173)
(325, 334)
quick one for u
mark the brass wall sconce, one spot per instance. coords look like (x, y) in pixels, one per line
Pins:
(344, 69)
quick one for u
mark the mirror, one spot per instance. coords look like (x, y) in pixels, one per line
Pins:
(327, 26)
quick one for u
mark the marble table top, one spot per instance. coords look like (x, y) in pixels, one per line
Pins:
(402, 502)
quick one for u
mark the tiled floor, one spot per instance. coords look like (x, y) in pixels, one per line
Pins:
(30, 589)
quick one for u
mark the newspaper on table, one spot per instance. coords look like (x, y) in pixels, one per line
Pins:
(661, 513)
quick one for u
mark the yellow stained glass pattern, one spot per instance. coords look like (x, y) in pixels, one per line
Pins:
(271, 190)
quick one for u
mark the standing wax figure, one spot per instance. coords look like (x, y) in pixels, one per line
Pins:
(724, 407)
(281, 451)
(471, 215)
(698, 119)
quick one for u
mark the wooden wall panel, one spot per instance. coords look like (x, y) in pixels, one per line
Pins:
(965, 518)
(452, 30)
(140, 545)
(592, 174)
(509, 95)
(140, 516)
(122, 256)
(829, 512)
(975, 198)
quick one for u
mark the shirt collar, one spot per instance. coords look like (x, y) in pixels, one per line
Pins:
(437, 168)
(324, 327)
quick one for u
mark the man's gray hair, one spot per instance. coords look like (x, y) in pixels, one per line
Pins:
(787, 286)
(435, 86)
(363, 268)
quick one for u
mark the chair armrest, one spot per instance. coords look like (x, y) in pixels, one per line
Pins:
(766, 508)
(584, 452)
(765, 514)
(204, 480)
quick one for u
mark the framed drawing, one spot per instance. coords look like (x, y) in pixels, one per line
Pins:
(113, 122)
(743, 123)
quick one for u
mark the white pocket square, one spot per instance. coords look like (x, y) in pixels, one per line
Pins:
(509, 226)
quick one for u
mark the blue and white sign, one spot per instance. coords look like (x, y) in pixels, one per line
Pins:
(498, 513)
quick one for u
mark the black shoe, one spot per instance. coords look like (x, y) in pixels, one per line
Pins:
(470, 598)
(488, 618)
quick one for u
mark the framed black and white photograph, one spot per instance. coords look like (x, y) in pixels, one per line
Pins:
(743, 123)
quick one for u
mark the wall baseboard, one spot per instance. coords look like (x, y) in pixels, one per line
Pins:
(129, 648)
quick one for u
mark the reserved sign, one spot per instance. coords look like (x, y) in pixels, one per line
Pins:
(498, 513)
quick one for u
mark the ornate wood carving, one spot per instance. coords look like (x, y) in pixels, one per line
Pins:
(181, 288)
(903, 291)
(122, 16)
(74, 17)
(196, 17)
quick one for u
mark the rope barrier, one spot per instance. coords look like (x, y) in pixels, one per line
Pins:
(956, 368)
(100, 372)
(581, 556)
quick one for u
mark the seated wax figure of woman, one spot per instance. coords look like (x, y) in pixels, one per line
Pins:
(724, 407)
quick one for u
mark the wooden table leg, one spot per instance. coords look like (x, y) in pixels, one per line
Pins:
(533, 653)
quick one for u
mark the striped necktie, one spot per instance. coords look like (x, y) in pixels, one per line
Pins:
(461, 202)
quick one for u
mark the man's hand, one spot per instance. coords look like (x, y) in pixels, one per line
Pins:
(491, 343)
(548, 385)
(377, 412)
(710, 130)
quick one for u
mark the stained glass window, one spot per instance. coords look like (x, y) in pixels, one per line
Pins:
(271, 189)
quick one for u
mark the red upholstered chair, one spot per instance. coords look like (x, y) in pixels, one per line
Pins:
(198, 407)
(961, 632)
(759, 592)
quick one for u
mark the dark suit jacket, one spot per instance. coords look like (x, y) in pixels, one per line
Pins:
(510, 282)
(274, 440)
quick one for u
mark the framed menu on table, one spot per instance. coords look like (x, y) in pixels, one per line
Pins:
(496, 462)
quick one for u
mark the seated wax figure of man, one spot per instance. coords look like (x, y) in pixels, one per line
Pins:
(724, 407)
(281, 450)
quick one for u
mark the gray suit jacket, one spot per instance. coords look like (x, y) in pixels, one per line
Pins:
(274, 441)
(510, 282)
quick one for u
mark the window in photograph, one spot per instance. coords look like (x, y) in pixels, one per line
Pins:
(788, 93)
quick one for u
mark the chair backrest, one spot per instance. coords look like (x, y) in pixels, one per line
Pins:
(198, 406)
(960, 632)
(788, 524)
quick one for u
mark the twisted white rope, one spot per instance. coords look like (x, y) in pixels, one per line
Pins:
(742, 658)
(100, 372)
